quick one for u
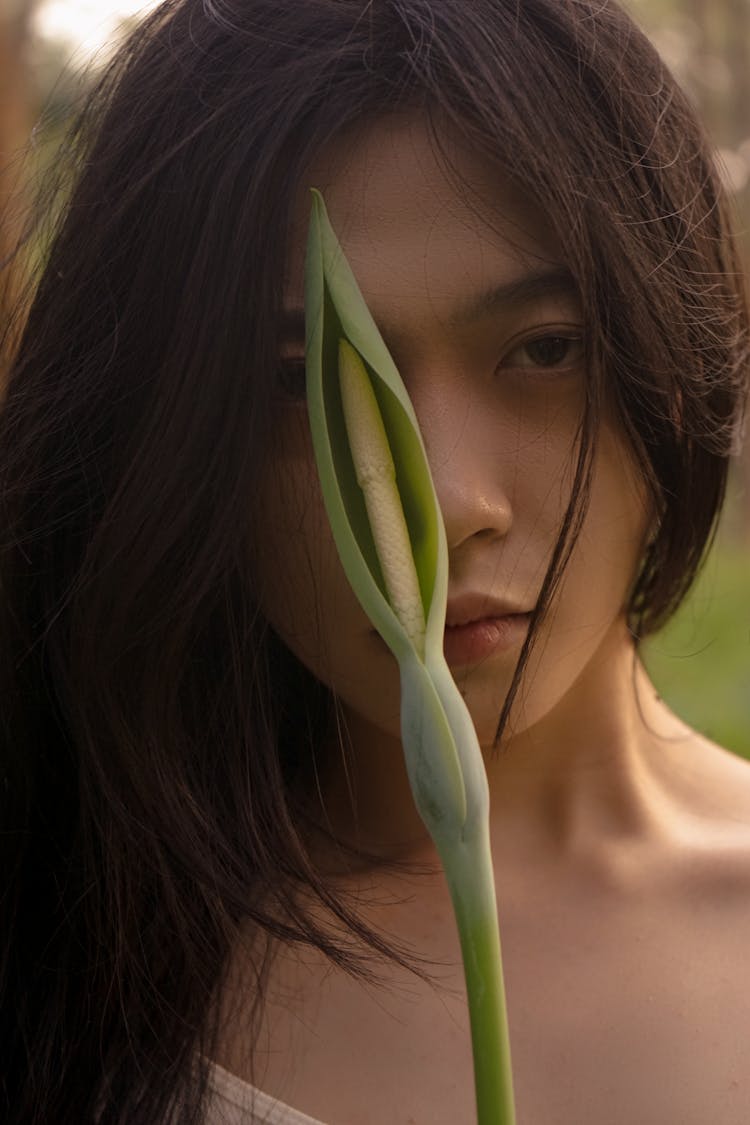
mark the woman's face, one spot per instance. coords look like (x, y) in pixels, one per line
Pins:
(468, 288)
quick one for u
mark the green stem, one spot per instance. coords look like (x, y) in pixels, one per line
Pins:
(468, 869)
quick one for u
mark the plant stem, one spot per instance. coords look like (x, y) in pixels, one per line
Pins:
(471, 881)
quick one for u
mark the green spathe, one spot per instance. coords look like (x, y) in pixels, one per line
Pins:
(352, 432)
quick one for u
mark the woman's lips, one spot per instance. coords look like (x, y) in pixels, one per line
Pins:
(476, 640)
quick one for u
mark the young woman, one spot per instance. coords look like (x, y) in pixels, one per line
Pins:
(215, 882)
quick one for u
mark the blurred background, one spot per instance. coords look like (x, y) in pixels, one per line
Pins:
(701, 661)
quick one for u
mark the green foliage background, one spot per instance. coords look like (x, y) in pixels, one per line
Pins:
(700, 662)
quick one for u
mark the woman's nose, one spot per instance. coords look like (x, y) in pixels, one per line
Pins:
(469, 462)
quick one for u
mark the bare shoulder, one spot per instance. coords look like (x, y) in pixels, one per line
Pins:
(713, 787)
(724, 777)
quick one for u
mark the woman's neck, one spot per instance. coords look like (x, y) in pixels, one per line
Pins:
(596, 768)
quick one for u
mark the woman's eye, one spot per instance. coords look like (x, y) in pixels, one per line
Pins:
(290, 378)
(550, 351)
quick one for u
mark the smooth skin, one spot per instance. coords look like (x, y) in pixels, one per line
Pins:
(621, 839)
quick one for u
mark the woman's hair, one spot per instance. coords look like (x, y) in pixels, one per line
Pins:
(158, 740)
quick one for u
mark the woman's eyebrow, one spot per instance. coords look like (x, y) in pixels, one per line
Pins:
(556, 281)
(292, 327)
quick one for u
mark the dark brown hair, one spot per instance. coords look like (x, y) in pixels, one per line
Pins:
(157, 740)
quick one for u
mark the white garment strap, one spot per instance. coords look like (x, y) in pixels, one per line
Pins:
(235, 1102)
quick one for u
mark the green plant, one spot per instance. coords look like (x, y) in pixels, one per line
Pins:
(389, 533)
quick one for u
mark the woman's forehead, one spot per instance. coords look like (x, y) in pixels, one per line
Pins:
(412, 219)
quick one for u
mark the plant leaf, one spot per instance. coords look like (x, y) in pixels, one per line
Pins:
(335, 308)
